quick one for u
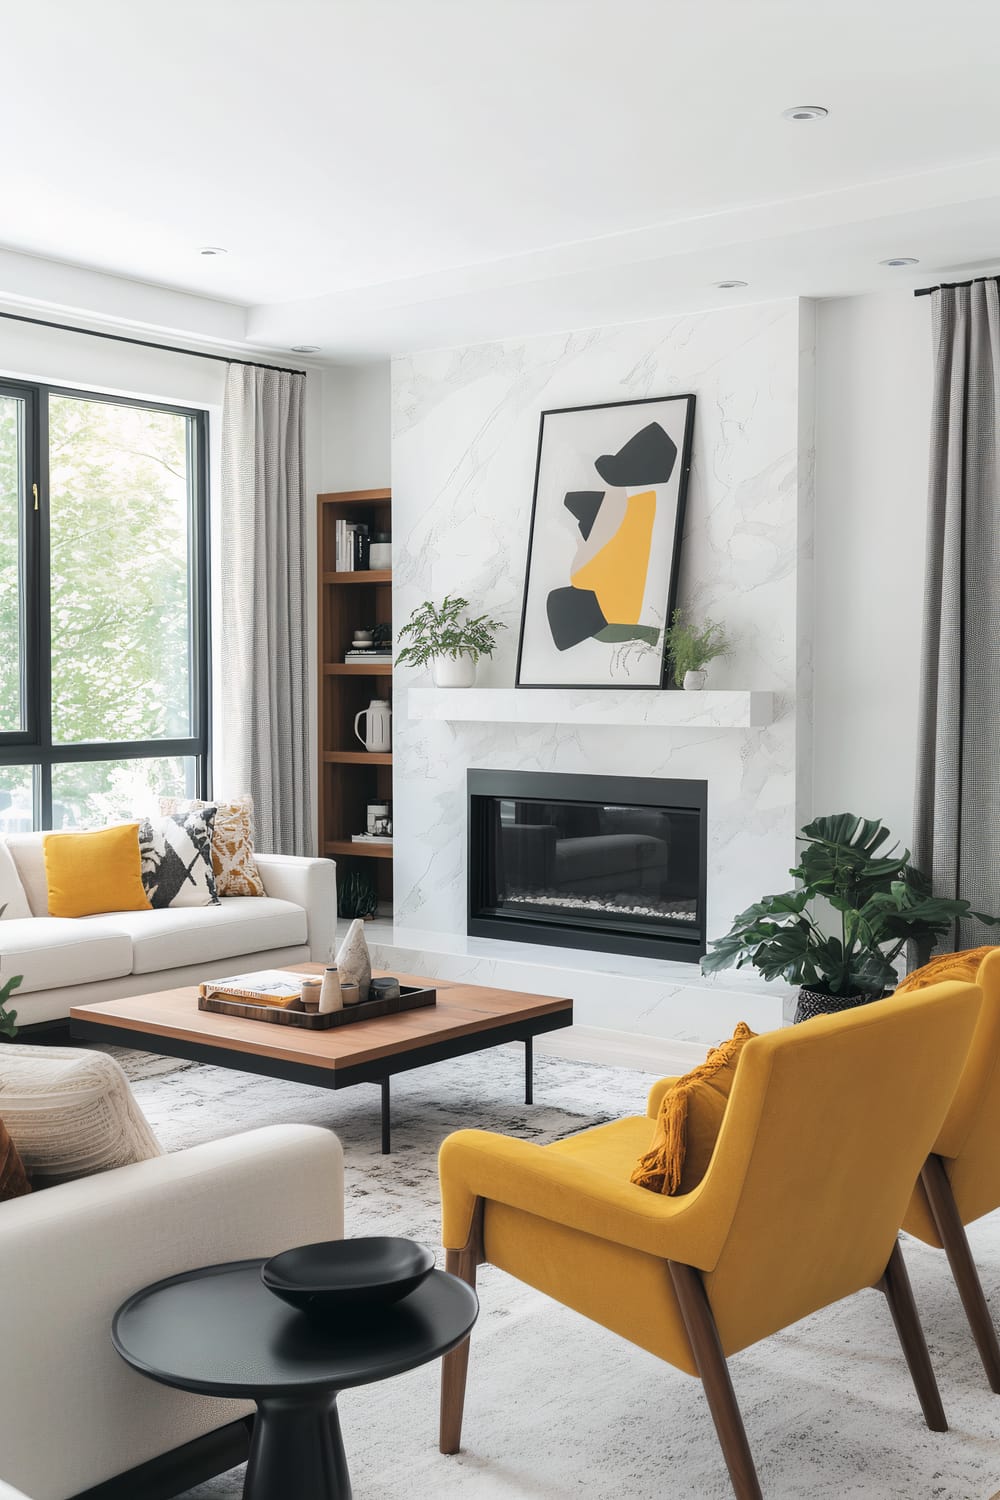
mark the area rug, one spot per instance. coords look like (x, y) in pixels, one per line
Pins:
(560, 1409)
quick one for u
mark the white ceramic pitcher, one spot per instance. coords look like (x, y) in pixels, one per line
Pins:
(377, 736)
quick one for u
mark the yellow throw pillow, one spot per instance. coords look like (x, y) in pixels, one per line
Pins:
(94, 872)
(963, 965)
(690, 1119)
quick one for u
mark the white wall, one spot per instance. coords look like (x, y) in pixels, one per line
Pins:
(873, 381)
(355, 447)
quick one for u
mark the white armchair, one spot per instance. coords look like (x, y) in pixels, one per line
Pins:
(72, 1414)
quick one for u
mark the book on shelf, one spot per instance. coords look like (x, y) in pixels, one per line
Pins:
(371, 838)
(351, 546)
(265, 987)
(359, 654)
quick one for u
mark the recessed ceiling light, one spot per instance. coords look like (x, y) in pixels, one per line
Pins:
(900, 260)
(805, 112)
(728, 286)
(212, 250)
(305, 348)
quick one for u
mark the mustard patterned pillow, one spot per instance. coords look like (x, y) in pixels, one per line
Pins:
(233, 862)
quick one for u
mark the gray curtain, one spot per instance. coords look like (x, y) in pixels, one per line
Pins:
(957, 813)
(264, 693)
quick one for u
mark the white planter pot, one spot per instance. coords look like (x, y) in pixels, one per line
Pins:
(694, 681)
(453, 671)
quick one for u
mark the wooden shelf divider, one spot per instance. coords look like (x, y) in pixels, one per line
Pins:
(358, 851)
(358, 757)
(368, 575)
(358, 669)
(349, 776)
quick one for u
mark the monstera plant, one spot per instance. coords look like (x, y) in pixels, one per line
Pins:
(839, 934)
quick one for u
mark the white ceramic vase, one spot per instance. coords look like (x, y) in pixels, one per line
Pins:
(453, 671)
(694, 681)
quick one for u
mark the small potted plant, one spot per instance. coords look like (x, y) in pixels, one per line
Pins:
(690, 648)
(8, 1018)
(449, 640)
(874, 900)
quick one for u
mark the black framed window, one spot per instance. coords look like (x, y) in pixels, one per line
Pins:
(104, 628)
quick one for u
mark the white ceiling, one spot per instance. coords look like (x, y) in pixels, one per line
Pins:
(388, 174)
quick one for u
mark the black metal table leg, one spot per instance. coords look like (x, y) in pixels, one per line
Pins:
(386, 1143)
(296, 1449)
(529, 1070)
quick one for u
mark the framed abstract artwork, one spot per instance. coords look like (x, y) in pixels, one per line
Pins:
(603, 553)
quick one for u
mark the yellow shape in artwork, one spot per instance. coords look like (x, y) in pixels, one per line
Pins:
(617, 574)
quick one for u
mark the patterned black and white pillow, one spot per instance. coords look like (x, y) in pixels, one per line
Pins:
(177, 859)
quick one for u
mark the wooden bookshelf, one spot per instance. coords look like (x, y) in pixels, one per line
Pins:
(349, 776)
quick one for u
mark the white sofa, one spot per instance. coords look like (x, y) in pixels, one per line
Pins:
(71, 961)
(72, 1414)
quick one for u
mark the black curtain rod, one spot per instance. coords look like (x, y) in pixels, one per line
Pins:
(121, 338)
(949, 286)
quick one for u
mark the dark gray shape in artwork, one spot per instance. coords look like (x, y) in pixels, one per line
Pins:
(574, 616)
(647, 458)
(584, 505)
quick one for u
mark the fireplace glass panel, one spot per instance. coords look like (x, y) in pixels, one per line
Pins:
(597, 868)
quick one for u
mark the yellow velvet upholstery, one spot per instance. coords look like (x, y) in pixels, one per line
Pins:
(826, 1130)
(969, 1140)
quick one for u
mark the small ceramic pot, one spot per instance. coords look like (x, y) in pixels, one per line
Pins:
(453, 671)
(694, 681)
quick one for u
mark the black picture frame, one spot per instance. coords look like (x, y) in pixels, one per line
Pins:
(681, 471)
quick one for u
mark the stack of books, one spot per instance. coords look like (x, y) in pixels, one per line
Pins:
(371, 838)
(368, 653)
(351, 539)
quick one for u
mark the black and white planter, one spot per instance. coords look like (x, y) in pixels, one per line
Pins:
(812, 1003)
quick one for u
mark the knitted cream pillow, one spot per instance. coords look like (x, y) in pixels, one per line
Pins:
(70, 1112)
(233, 862)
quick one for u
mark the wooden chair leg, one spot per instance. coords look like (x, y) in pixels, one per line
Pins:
(714, 1372)
(951, 1232)
(895, 1284)
(455, 1366)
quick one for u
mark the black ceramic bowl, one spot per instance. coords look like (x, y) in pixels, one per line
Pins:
(341, 1276)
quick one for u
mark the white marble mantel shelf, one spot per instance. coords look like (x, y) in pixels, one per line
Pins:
(656, 710)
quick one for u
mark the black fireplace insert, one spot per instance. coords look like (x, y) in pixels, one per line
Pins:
(611, 863)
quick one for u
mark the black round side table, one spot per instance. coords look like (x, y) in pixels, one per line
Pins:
(220, 1332)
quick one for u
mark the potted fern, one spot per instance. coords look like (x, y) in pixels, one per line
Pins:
(447, 638)
(839, 935)
(690, 648)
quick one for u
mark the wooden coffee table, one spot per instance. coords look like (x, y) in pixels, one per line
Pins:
(467, 1018)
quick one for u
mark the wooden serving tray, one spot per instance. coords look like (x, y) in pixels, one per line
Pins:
(296, 1015)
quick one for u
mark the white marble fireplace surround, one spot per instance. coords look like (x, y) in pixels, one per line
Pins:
(465, 431)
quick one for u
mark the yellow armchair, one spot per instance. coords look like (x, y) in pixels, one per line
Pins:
(826, 1130)
(960, 1181)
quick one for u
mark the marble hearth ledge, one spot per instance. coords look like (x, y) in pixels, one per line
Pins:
(636, 707)
(616, 994)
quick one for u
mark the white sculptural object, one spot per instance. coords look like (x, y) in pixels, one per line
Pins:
(353, 959)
